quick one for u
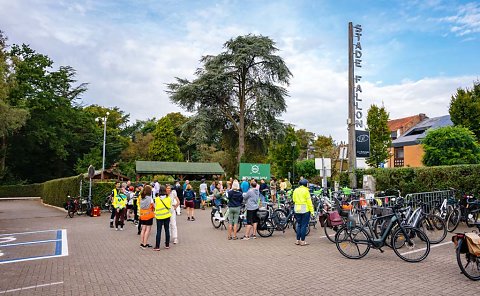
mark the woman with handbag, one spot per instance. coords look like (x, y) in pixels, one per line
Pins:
(146, 215)
(163, 205)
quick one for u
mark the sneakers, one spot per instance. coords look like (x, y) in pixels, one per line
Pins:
(175, 241)
(188, 219)
(117, 229)
(111, 224)
(304, 243)
(121, 228)
(245, 238)
(142, 246)
(297, 242)
(193, 219)
(254, 236)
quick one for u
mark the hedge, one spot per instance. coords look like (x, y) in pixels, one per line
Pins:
(32, 190)
(55, 191)
(465, 178)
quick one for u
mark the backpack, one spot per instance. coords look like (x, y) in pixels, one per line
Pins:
(189, 195)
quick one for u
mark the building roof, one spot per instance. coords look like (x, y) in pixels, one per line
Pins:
(415, 134)
(110, 172)
(178, 168)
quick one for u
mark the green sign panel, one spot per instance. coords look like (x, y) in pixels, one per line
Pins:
(255, 170)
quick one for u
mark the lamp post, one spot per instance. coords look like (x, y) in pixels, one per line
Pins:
(104, 138)
(293, 160)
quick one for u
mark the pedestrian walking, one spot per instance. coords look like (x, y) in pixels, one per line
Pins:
(250, 198)
(189, 196)
(303, 210)
(235, 198)
(203, 193)
(119, 206)
(173, 219)
(179, 190)
(146, 215)
(163, 205)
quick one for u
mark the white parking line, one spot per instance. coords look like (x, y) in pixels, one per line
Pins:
(30, 287)
(423, 249)
(29, 232)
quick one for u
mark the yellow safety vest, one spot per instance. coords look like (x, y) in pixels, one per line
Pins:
(302, 200)
(119, 201)
(163, 211)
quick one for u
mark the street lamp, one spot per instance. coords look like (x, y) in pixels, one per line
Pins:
(293, 160)
(104, 138)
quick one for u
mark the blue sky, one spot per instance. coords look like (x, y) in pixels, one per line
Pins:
(416, 53)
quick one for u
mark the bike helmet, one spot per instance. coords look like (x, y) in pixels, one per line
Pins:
(303, 182)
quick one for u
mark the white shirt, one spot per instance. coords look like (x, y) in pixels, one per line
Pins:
(203, 188)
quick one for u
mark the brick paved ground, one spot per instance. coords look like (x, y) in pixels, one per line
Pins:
(106, 262)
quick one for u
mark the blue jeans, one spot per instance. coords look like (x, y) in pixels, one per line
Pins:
(166, 224)
(302, 223)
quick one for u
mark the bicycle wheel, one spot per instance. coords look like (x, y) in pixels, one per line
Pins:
(71, 211)
(413, 248)
(469, 264)
(473, 218)
(348, 243)
(265, 229)
(453, 219)
(216, 219)
(281, 218)
(434, 227)
(105, 205)
(240, 224)
(331, 231)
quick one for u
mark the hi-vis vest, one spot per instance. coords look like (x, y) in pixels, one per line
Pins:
(161, 211)
(120, 201)
(146, 214)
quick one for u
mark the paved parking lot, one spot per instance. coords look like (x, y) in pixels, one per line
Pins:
(95, 260)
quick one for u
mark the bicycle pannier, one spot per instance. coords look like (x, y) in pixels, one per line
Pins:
(262, 215)
(473, 242)
(335, 219)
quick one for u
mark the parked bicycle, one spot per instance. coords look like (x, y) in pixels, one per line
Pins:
(106, 204)
(468, 261)
(408, 243)
(468, 211)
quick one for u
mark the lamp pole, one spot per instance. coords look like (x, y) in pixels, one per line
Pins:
(293, 160)
(104, 139)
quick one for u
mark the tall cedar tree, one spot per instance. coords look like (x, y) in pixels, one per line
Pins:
(380, 140)
(239, 89)
(465, 108)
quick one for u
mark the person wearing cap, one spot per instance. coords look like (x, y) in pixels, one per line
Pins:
(303, 209)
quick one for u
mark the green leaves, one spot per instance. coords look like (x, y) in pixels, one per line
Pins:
(164, 145)
(450, 145)
(380, 140)
(465, 108)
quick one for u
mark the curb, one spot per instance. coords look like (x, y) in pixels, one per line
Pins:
(20, 198)
(55, 207)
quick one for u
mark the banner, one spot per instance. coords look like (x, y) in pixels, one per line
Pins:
(255, 170)
(362, 140)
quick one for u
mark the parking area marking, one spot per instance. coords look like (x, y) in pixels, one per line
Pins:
(30, 287)
(8, 246)
(423, 249)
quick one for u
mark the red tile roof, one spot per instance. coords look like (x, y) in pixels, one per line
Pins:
(405, 123)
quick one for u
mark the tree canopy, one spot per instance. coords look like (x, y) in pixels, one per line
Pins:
(239, 90)
(465, 108)
(450, 145)
(380, 140)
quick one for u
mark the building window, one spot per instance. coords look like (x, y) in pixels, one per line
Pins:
(398, 160)
(393, 135)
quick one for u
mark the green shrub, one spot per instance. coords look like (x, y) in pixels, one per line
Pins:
(32, 190)
(55, 191)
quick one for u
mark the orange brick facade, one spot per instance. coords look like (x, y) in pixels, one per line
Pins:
(412, 156)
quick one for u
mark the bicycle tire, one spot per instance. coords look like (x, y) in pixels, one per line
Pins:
(240, 224)
(453, 219)
(474, 272)
(346, 235)
(265, 229)
(70, 211)
(281, 217)
(105, 205)
(434, 227)
(216, 222)
(475, 217)
(331, 231)
(417, 239)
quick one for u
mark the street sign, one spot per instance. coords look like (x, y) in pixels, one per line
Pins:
(255, 170)
(324, 164)
(91, 171)
(362, 143)
(343, 153)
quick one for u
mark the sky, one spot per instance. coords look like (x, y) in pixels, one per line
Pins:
(415, 53)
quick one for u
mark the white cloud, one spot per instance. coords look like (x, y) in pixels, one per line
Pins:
(466, 21)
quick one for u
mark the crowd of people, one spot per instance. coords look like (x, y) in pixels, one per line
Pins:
(146, 202)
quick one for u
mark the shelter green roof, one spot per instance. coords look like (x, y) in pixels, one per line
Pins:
(178, 168)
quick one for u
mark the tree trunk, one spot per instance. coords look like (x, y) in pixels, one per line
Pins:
(3, 155)
(241, 137)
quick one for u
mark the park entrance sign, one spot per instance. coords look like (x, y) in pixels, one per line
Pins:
(255, 170)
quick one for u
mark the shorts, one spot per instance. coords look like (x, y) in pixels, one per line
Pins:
(252, 217)
(190, 204)
(233, 215)
(203, 195)
(148, 222)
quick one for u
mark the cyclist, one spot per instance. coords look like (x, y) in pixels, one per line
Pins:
(303, 210)
(113, 195)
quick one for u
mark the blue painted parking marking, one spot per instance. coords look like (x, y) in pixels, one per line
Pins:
(9, 246)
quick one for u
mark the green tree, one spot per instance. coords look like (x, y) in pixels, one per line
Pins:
(238, 89)
(380, 140)
(306, 168)
(450, 145)
(305, 141)
(164, 146)
(465, 108)
(324, 146)
(282, 154)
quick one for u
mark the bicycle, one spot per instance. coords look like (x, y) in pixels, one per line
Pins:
(218, 218)
(468, 262)
(71, 206)
(106, 204)
(410, 239)
(467, 211)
